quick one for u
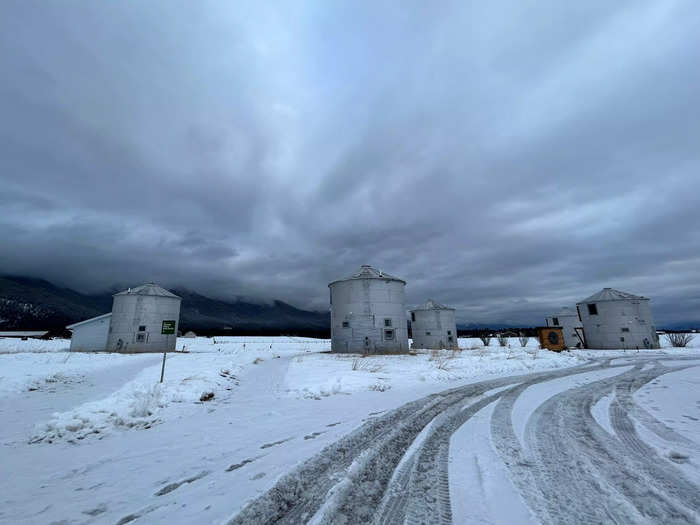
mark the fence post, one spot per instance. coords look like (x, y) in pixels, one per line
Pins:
(162, 370)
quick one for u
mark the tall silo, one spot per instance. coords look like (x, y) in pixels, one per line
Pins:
(613, 319)
(368, 313)
(569, 322)
(434, 326)
(144, 319)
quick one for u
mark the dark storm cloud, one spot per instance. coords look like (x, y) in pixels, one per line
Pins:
(505, 158)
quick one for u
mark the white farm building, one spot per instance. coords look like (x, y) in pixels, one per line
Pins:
(568, 320)
(614, 319)
(368, 313)
(434, 326)
(143, 319)
(90, 335)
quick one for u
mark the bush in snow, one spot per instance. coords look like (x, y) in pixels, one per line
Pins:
(441, 359)
(502, 339)
(679, 340)
(523, 340)
(365, 365)
(485, 339)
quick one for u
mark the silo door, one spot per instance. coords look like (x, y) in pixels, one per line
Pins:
(366, 343)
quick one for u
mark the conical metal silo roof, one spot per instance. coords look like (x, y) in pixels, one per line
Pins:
(368, 272)
(433, 305)
(149, 289)
(610, 294)
(565, 312)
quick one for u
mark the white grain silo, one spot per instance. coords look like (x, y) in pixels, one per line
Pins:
(368, 313)
(434, 326)
(569, 322)
(613, 319)
(144, 319)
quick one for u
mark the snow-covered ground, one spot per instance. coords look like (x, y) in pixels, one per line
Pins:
(20, 372)
(96, 438)
(11, 345)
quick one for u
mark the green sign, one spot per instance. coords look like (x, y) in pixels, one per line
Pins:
(168, 327)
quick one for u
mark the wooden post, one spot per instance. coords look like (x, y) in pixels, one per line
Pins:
(162, 370)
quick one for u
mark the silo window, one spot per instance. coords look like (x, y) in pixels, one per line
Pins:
(413, 317)
(449, 332)
(449, 339)
(387, 322)
(389, 335)
(592, 309)
(555, 321)
(427, 333)
(142, 328)
(346, 324)
(622, 339)
(141, 338)
(625, 329)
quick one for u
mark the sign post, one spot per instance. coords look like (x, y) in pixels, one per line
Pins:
(162, 370)
(167, 329)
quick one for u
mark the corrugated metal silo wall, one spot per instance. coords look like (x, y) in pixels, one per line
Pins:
(365, 304)
(620, 324)
(434, 329)
(129, 312)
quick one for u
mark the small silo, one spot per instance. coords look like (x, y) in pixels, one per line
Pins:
(613, 319)
(144, 319)
(368, 313)
(569, 322)
(434, 326)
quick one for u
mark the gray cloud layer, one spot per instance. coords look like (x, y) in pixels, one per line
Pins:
(506, 157)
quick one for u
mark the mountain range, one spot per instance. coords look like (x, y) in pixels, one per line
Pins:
(27, 303)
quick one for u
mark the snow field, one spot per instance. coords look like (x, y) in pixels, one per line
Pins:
(140, 403)
(212, 365)
(320, 375)
(20, 372)
(10, 345)
(672, 398)
(272, 410)
(144, 401)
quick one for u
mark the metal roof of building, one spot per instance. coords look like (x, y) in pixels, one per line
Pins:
(432, 305)
(566, 312)
(610, 294)
(148, 289)
(74, 325)
(24, 334)
(368, 272)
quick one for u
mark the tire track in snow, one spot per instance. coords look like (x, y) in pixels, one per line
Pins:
(373, 451)
(380, 474)
(583, 474)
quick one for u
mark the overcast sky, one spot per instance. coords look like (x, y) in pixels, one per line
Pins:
(505, 157)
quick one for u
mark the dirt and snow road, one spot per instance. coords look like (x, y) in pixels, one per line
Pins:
(564, 446)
